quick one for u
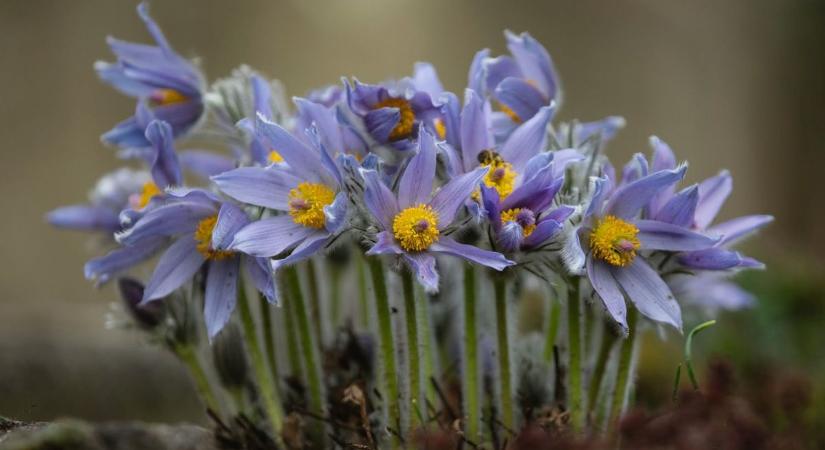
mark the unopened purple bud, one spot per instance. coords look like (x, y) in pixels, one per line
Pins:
(147, 316)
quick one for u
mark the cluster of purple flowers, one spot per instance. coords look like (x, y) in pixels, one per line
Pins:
(404, 169)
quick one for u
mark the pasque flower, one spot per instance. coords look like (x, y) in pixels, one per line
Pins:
(412, 222)
(159, 78)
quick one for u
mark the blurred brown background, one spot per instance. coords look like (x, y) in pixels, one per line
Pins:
(735, 84)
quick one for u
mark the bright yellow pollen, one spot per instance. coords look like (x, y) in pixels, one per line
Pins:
(509, 112)
(416, 228)
(510, 216)
(275, 157)
(306, 204)
(404, 128)
(168, 97)
(614, 241)
(203, 236)
(440, 128)
(150, 190)
(501, 175)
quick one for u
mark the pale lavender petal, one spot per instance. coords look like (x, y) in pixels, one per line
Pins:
(606, 286)
(655, 235)
(423, 265)
(452, 195)
(230, 220)
(598, 190)
(521, 97)
(663, 157)
(426, 79)
(385, 244)
(712, 195)
(681, 208)
(168, 220)
(560, 214)
(510, 237)
(84, 218)
(260, 273)
(165, 167)
(472, 253)
(220, 295)
(648, 292)
(497, 69)
(260, 186)
(536, 164)
(379, 199)
(476, 75)
(451, 112)
(416, 182)
(311, 245)
(261, 96)
(628, 200)
(304, 160)
(712, 259)
(475, 130)
(528, 139)
(102, 269)
(563, 158)
(534, 62)
(177, 266)
(324, 119)
(270, 237)
(205, 164)
(545, 230)
(739, 228)
(336, 213)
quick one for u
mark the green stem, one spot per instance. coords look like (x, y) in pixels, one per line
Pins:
(624, 376)
(574, 342)
(599, 371)
(310, 351)
(554, 314)
(412, 344)
(269, 336)
(363, 296)
(293, 347)
(386, 345)
(335, 296)
(189, 357)
(502, 327)
(315, 303)
(425, 335)
(269, 391)
(473, 411)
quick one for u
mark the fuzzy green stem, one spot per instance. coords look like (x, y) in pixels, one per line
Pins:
(386, 342)
(412, 344)
(574, 341)
(502, 331)
(554, 314)
(425, 335)
(269, 391)
(599, 370)
(317, 325)
(292, 346)
(473, 411)
(310, 351)
(335, 296)
(363, 297)
(624, 375)
(269, 336)
(189, 356)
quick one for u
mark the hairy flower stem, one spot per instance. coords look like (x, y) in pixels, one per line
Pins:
(189, 356)
(314, 302)
(363, 297)
(386, 342)
(624, 374)
(335, 296)
(269, 336)
(505, 372)
(553, 321)
(414, 366)
(292, 346)
(574, 342)
(310, 350)
(596, 378)
(425, 335)
(266, 383)
(473, 409)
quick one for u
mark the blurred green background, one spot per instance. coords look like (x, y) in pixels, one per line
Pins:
(736, 84)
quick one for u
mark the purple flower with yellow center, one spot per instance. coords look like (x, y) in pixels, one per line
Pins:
(521, 83)
(393, 112)
(308, 189)
(616, 239)
(159, 78)
(412, 223)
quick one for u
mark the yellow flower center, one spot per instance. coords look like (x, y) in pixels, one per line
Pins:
(150, 190)
(509, 112)
(614, 241)
(527, 223)
(306, 204)
(416, 228)
(440, 128)
(168, 96)
(404, 128)
(203, 236)
(501, 175)
(275, 157)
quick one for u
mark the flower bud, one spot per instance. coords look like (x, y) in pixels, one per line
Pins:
(146, 316)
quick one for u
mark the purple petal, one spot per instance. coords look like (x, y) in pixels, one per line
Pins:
(535, 165)
(560, 214)
(648, 292)
(627, 200)
(490, 198)
(416, 182)
(497, 69)
(453, 194)
(521, 97)
(451, 117)
(380, 122)
(712, 259)
(598, 190)
(528, 139)
(335, 213)
(476, 75)
(165, 166)
(177, 266)
(712, 195)
(260, 186)
(423, 265)
(379, 199)
(260, 272)
(510, 237)
(304, 160)
(168, 220)
(270, 237)
(324, 119)
(475, 130)
(230, 220)
(385, 244)
(655, 235)
(426, 79)
(486, 258)
(84, 218)
(739, 228)
(534, 62)
(681, 208)
(545, 230)
(205, 164)
(220, 295)
(311, 245)
(261, 96)
(605, 285)
(102, 269)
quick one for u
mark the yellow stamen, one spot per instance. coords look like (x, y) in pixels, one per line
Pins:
(440, 128)
(275, 157)
(416, 228)
(150, 190)
(614, 241)
(404, 128)
(509, 112)
(168, 97)
(203, 236)
(501, 175)
(511, 215)
(306, 204)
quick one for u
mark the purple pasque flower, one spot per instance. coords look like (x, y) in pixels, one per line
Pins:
(308, 188)
(616, 236)
(393, 112)
(334, 130)
(521, 83)
(200, 228)
(159, 78)
(412, 222)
